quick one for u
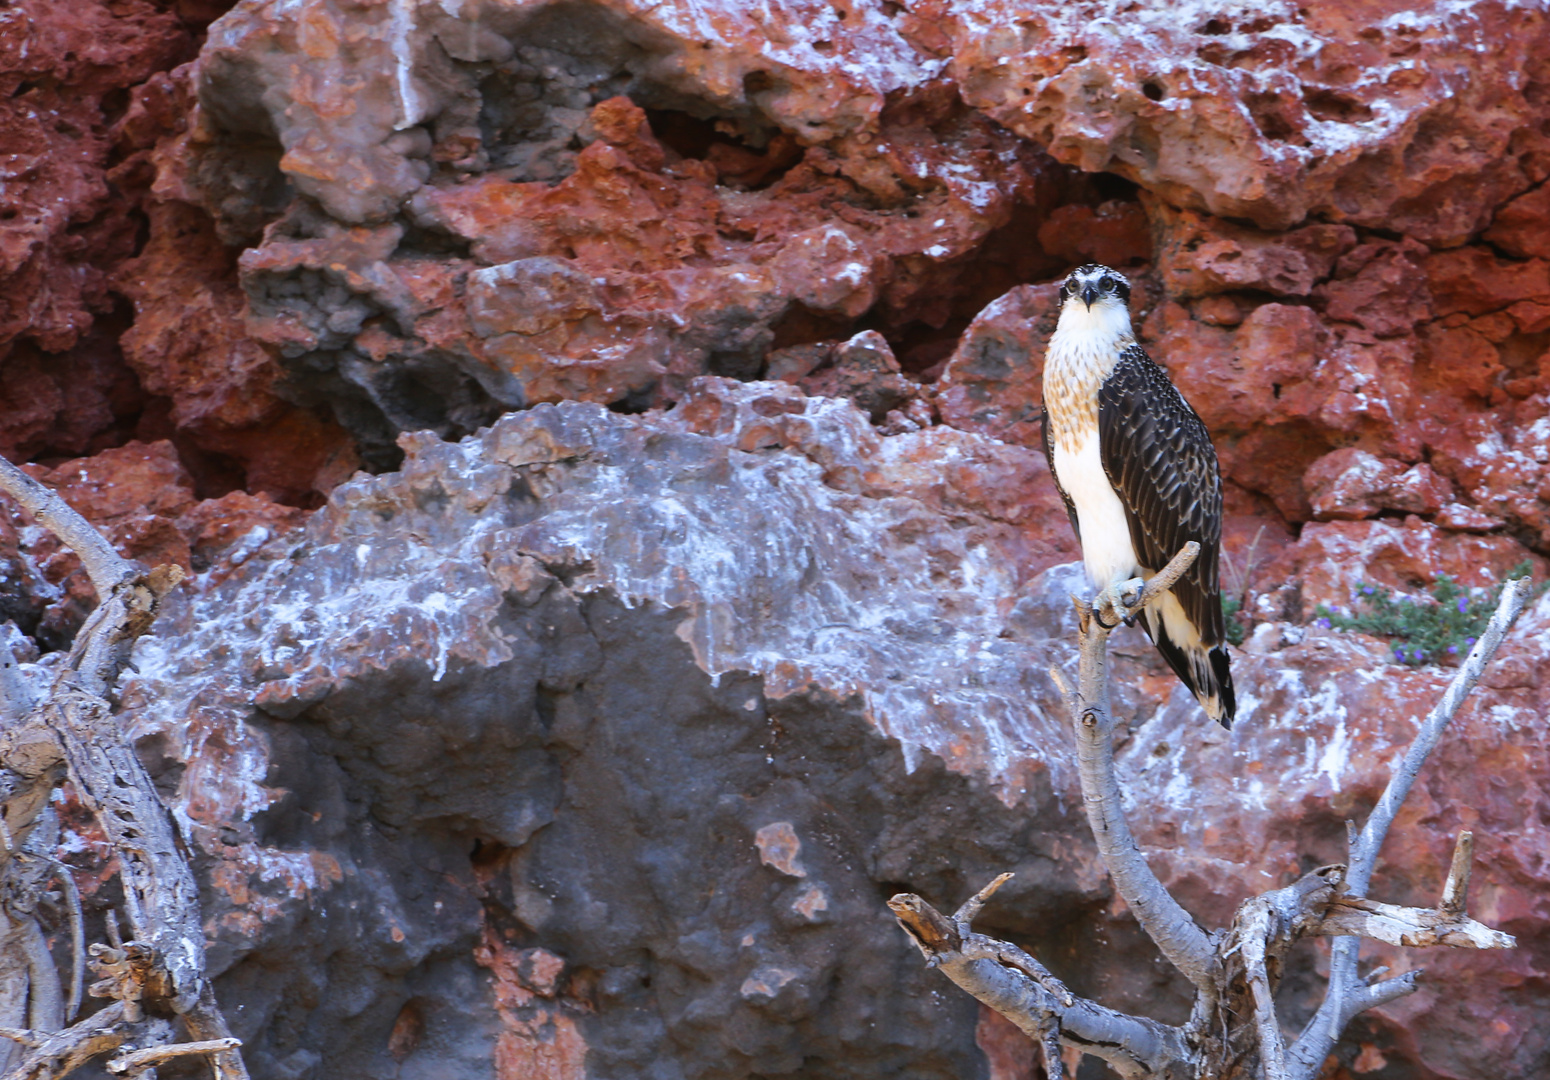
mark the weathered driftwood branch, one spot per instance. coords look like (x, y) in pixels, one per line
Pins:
(1234, 1030)
(1455, 890)
(1133, 1046)
(1174, 930)
(74, 730)
(136, 1063)
(57, 1054)
(106, 567)
(1351, 916)
(1345, 988)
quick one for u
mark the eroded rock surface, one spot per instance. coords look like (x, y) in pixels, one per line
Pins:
(560, 688)
(590, 744)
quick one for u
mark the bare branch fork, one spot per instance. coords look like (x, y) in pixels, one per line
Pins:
(160, 973)
(1233, 1031)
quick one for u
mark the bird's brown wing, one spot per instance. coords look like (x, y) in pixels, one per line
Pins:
(1049, 456)
(1158, 455)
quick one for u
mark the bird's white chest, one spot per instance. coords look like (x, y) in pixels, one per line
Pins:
(1106, 548)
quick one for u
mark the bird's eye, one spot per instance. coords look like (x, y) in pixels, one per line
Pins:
(1065, 289)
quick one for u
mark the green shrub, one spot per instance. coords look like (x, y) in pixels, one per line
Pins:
(1236, 632)
(1435, 630)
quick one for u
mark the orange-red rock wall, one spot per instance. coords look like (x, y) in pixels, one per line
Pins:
(242, 252)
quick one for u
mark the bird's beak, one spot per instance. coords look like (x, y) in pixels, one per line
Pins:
(1089, 294)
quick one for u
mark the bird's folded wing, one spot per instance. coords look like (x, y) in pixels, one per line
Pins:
(1158, 455)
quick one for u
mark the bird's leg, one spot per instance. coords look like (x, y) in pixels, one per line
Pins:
(1118, 603)
(1130, 597)
(1107, 608)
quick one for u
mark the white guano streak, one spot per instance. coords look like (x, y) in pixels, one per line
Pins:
(402, 15)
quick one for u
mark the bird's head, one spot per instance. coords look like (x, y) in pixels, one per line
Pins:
(1095, 305)
(1094, 284)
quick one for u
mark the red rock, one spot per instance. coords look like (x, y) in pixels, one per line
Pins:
(127, 481)
(862, 369)
(1332, 559)
(1113, 233)
(1261, 372)
(538, 1040)
(64, 226)
(1461, 518)
(666, 272)
(1214, 110)
(1009, 1053)
(1462, 358)
(1380, 286)
(1199, 255)
(1522, 227)
(993, 384)
(1351, 484)
(1475, 281)
(1418, 490)
(1504, 466)
(1219, 310)
(189, 343)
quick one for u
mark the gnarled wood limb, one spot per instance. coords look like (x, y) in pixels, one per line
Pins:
(1133, 1046)
(1447, 924)
(160, 895)
(134, 1064)
(166, 960)
(1352, 916)
(1233, 1029)
(1455, 890)
(1318, 1038)
(1174, 930)
(53, 1055)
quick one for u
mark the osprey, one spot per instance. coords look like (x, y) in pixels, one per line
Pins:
(1138, 474)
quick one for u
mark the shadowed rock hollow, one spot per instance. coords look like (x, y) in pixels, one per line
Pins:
(701, 586)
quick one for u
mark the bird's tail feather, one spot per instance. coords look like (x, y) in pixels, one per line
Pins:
(1205, 669)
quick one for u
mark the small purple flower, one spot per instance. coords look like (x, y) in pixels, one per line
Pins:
(1463, 604)
(1470, 642)
(1325, 623)
(1453, 650)
(1400, 653)
(1366, 590)
(1418, 655)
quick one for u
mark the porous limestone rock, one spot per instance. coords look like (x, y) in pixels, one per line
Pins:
(1392, 116)
(589, 745)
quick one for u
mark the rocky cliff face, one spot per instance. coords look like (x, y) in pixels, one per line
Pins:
(701, 581)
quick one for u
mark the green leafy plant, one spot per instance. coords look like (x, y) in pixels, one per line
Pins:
(1426, 630)
(1236, 631)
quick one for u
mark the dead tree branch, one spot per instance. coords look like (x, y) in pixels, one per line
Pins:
(1134, 1046)
(136, 1063)
(106, 567)
(1345, 989)
(54, 1055)
(75, 727)
(1174, 930)
(1234, 1031)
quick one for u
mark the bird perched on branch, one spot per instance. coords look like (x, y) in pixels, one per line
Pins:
(1138, 474)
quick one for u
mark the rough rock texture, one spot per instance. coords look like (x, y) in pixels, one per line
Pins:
(1419, 119)
(106, 333)
(590, 744)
